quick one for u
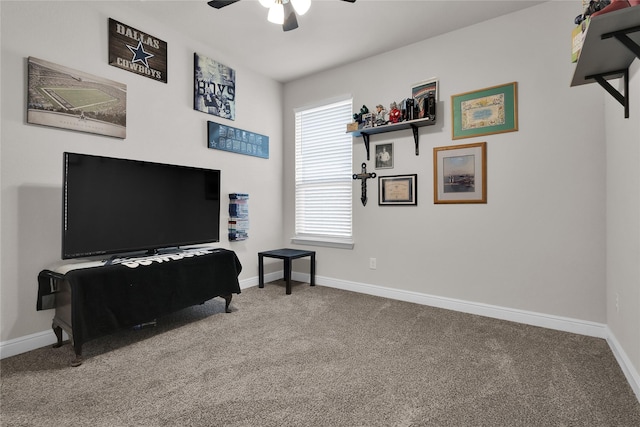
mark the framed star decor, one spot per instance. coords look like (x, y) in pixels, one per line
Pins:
(137, 52)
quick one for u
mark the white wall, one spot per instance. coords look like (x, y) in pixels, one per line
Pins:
(560, 234)
(623, 220)
(161, 126)
(539, 243)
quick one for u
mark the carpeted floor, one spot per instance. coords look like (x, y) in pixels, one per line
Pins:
(321, 357)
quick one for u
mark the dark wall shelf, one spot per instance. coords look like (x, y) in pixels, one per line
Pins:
(610, 46)
(414, 125)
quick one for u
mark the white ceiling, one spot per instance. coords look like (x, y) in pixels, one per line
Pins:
(331, 33)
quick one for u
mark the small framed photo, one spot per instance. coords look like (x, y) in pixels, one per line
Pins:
(384, 156)
(421, 92)
(460, 173)
(485, 112)
(422, 89)
(398, 190)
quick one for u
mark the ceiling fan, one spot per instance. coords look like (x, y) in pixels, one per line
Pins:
(280, 11)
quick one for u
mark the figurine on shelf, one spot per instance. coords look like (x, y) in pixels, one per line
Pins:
(380, 113)
(367, 120)
(358, 117)
(394, 114)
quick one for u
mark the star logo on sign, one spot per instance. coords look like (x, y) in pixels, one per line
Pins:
(139, 55)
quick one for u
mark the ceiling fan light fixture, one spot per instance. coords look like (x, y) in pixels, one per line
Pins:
(281, 12)
(301, 6)
(276, 13)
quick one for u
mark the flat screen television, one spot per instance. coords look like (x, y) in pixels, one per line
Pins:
(117, 206)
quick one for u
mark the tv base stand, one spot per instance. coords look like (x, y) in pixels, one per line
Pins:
(94, 301)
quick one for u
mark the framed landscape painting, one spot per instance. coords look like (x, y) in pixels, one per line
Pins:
(460, 173)
(62, 97)
(484, 112)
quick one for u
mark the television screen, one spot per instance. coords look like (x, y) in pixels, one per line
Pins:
(115, 206)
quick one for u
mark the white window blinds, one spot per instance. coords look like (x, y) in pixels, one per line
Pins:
(324, 173)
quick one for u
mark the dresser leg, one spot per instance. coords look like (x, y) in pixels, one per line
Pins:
(77, 349)
(227, 301)
(58, 331)
(78, 360)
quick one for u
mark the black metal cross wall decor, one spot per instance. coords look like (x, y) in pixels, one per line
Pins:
(363, 175)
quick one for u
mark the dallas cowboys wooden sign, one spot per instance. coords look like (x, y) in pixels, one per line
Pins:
(137, 52)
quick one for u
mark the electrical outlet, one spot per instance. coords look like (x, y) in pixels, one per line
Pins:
(617, 303)
(373, 264)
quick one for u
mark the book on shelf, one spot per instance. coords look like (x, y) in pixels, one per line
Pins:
(238, 223)
(238, 236)
(238, 196)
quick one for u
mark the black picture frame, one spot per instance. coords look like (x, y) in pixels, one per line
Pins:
(398, 190)
(384, 156)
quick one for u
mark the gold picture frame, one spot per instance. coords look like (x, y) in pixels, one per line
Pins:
(460, 173)
(485, 112)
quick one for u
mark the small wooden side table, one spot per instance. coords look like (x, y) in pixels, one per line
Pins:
(287, 255)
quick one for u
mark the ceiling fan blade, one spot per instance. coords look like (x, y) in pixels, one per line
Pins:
(290, 20)
(221, 3)
(350, 1)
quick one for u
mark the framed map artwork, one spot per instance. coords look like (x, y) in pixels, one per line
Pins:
(484, 112)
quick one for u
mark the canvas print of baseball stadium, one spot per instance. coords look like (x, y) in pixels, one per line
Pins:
(65, 98)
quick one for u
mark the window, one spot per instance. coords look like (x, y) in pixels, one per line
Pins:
(324, 175)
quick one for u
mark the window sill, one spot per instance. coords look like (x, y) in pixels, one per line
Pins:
(326, 242)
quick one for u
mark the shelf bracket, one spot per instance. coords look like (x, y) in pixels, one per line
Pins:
(415, 125)
(365, 137)
(414, 128)
(622, 37)
(621, 98)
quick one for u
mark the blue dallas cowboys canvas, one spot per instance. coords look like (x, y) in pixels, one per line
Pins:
(138, 52)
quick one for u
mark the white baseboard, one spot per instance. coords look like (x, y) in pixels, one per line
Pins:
(30, 342)
(593, 329)
(625, 363)
(565, 324)
(268, 277)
